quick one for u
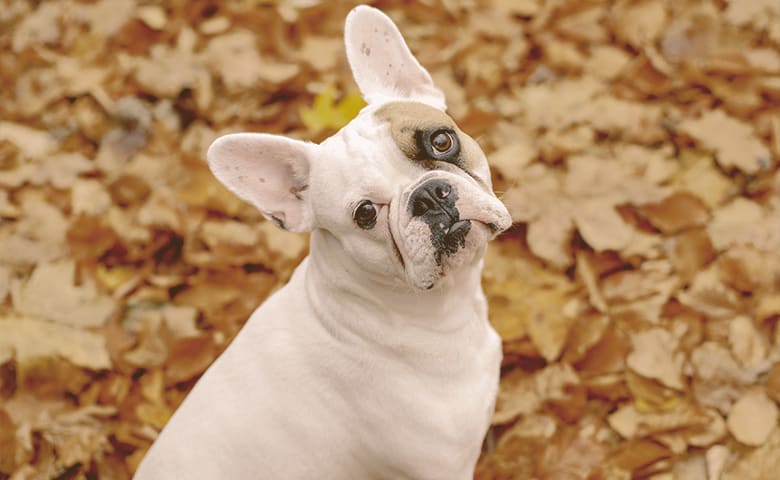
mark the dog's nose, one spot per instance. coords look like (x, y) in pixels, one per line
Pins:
(433, 202)
(432, 197)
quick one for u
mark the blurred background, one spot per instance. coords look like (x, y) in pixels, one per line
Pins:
(636, 143)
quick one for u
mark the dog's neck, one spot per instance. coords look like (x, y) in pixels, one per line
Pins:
(401, 319)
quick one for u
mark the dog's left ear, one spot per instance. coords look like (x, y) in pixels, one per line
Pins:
(269, 171)
(383, 67)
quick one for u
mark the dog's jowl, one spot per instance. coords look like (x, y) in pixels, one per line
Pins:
(377, 359)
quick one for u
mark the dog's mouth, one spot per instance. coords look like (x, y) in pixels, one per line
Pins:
(440, 225)
(394, 244)
(426, 258)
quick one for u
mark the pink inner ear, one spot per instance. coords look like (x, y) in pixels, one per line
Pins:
(269, 171)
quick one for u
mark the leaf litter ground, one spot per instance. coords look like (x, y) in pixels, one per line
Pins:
(636, 143)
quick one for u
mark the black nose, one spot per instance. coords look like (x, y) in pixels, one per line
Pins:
(433, 202)
(432, 198)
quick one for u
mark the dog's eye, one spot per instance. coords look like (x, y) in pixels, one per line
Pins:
(365, 215)
(441, 141)
(439, 144)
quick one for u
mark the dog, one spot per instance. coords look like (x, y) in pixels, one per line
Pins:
(376, 360)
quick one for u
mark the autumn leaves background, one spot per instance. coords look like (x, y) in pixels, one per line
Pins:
(636, 143)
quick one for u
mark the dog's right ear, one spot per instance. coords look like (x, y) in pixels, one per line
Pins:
(269, 171)
(381, 62)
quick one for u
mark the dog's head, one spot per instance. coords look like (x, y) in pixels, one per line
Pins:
(401, 189)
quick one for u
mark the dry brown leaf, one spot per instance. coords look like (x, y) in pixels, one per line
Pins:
(30, 338)
(748, 345)
(167, 71)
(601, 226)
(701, 177)
(718, 378)
(153, 16)
(552, 105)
(732, 223)
(586, 272)
(510, 160)
(677, 212)
(689, 252)
(692, 467)
(321, 52)
(713, 430)
(762, 15)
(748, 270)
(734, 142)
(639, 23)
(773, 383)
(524, 394)
(89, 197)
(768, 306)
(190, 357)
(708, 295)
(5, 282)
(759, 464)
(753, 418)
(235, 58)
(8, 448)
(636, 454)
(654, 355)
(585, 333)
(716, 458)
(586, 196)
(685, 424)
(38, 236)
(606, 62)
(533, 308)
(51, 292)
(572, 456)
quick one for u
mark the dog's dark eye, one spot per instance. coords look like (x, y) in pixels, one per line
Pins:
(365, 215)
(441, 141)
(439, 144)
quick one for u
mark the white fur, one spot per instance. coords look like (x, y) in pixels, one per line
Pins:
(382, 64)
(354, 369)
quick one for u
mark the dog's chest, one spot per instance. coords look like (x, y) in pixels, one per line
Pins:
(431, 424)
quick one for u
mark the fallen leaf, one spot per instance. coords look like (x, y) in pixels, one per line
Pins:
(748, 345)
(7, 443)
(732, 223)
(235, 58)
(759, 464)
(654, 355)
(30, 338)
(677, 212)
(523, 394)
(329, 114)
(753, 418)
(718, 379)
(708, 295)
(51, 292)
(190, 357)
(735, 142)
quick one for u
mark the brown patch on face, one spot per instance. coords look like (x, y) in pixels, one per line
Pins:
(411, 121)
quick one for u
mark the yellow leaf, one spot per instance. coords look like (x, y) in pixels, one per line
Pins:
(112, 277)
(326, 113)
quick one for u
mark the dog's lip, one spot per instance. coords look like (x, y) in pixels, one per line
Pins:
(491, 226)
(393, 243)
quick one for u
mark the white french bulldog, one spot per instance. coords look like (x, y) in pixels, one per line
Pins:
(377, 359)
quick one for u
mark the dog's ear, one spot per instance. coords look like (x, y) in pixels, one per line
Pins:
(383, 67)
(269, 171)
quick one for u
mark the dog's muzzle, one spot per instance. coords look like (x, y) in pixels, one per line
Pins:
(433, 203)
